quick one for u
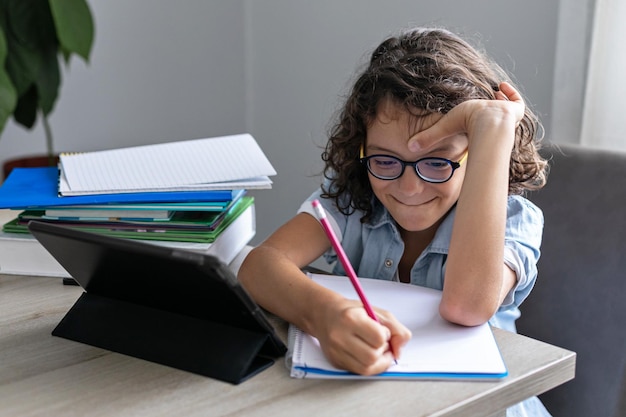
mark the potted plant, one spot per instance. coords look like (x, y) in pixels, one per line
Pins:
(35, 35)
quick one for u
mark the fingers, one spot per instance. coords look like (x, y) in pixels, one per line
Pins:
(469, 116)
(358, 356)
(501, 96)
(359, 344)
(438, 128)
(399, 334)
(509, 93)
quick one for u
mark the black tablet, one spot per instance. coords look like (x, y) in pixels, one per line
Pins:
(176, 307)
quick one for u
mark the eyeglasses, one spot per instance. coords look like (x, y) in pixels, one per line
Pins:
(434, 170)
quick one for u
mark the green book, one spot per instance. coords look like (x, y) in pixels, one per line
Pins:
(149, 230)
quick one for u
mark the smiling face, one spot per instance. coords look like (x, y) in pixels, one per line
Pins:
(416, 205)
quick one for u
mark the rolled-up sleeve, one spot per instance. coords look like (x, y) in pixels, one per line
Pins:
(524, 230)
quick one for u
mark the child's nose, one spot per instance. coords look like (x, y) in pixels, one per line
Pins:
(409, 182)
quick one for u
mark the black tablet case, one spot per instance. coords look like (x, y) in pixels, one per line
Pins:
(174, 307)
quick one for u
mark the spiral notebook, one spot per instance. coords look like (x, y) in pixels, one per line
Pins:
(219, 163)
(438, 349)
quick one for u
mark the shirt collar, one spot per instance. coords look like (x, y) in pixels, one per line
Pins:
(440, 243)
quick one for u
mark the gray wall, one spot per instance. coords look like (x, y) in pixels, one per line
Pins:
(164, 71)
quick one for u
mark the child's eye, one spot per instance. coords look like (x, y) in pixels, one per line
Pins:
(386, 162)
(435, 164)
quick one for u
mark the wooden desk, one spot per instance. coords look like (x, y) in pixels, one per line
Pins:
(45, 375)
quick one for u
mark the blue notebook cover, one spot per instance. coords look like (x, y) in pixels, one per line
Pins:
(31, 188)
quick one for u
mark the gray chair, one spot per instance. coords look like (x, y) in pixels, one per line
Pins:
(579, 300)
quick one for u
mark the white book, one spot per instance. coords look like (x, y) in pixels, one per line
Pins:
(22, 254)
(227, 162)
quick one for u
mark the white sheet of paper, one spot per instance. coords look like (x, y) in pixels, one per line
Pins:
(438, 349)
(226, 162)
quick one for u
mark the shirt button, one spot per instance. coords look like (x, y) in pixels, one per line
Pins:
(388, 263)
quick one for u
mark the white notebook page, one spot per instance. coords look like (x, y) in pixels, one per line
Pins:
(175, 165)
(438, 349)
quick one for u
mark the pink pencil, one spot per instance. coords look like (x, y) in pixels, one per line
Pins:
(321, 216)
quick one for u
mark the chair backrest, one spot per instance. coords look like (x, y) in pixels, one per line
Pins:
(579, 299)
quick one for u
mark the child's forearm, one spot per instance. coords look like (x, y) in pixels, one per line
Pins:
(279, 286)
(475, 268)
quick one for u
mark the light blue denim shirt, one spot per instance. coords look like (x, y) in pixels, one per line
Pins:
(375, 249)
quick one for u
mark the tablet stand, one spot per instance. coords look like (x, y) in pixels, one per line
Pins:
(211, 349)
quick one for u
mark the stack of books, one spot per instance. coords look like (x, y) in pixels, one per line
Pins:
(186, 195)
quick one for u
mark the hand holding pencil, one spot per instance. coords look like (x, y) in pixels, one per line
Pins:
(321, 215)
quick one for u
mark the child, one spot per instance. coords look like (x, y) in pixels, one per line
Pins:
(424, 173)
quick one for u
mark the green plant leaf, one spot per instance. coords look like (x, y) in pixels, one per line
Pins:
(24, 25)
(26, 110)
(74, 26)
(36, 34)
(48, 80)
(8, 95)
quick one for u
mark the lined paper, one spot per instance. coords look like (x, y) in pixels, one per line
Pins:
(227, 162)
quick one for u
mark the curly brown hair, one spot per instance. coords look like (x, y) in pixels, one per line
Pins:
(430, 69)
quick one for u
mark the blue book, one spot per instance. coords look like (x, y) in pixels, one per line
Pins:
(32, 188)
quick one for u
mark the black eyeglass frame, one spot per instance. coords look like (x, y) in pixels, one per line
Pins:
(454, 165)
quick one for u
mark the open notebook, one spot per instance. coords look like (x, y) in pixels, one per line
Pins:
(438, 349)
